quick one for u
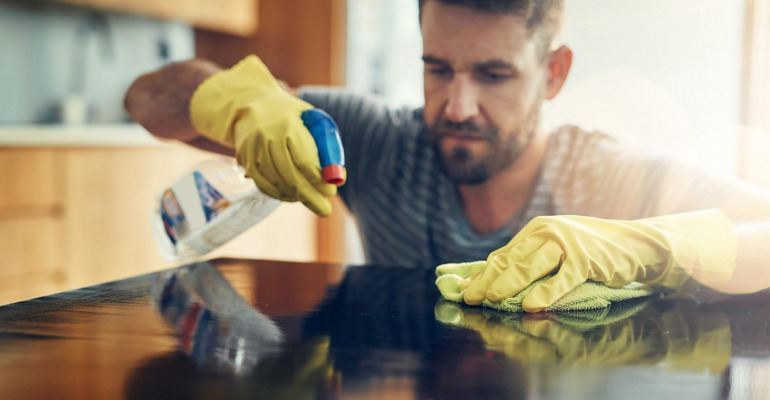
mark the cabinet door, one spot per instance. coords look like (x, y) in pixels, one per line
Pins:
(30, 180)
(238, 17)
(31, 224)
(33, 258)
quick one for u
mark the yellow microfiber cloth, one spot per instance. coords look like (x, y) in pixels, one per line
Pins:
(588, 296)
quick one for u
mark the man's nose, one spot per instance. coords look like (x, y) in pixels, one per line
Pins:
(462, 103)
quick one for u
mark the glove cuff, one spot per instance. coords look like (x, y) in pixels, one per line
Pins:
(224, 98)
(703, 246)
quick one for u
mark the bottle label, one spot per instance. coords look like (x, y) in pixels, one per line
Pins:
(211, 200)
(189, 204)
(172, 215)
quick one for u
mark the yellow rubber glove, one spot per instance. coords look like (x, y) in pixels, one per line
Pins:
(245, 108)
(661, 251)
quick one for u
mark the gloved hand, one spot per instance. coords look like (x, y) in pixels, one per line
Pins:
(245, 108)
(661, 251)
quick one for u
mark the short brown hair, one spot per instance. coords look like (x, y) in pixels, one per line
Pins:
(543, 17)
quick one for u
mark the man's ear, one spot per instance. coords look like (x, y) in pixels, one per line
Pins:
(559, 64)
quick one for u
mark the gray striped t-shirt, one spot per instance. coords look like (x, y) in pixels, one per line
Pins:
(408, 212)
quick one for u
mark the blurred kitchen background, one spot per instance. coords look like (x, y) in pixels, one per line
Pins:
(61, 57)
(690, 77)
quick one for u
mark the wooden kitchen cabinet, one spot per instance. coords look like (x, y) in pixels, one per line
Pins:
(80, 216)
(30, 179)
(31, 223)
(237, 17)
(33, 256)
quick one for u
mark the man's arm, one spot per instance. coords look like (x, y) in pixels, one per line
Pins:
(752, 272)
(683, 187)
(748, 208)
(724, 249)
(160, 102)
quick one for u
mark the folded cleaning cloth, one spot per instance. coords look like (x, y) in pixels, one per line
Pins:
(590, 295)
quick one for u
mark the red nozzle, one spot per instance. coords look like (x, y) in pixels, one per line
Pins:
(334, 174)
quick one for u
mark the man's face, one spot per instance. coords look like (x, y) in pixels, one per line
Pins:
(484, 84)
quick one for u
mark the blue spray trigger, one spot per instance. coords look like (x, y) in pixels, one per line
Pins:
(327, 139)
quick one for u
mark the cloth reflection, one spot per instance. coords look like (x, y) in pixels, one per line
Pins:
(212, 324)
(641, 332)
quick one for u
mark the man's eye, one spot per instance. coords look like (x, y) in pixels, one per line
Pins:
(440, 72)
(492, 77)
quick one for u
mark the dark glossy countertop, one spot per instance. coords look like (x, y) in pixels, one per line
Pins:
(275, 330)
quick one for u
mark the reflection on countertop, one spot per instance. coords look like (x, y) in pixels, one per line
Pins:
(375, 333)
(276, 330)
(212, 324)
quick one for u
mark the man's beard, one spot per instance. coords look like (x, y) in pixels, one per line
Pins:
(459, 164)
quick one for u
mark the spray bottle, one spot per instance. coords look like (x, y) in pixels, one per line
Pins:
(215, 202)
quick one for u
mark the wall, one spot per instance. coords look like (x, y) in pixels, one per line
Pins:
(755, 141)
(51, 49)
(385, 50)
(662, 74)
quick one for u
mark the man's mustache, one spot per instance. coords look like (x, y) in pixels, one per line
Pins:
(444, 127)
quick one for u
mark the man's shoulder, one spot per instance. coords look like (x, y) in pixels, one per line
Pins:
(571, 147)
(578, 154)
(572, 137)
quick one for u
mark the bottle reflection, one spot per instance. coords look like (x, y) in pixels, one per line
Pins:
(212, 324)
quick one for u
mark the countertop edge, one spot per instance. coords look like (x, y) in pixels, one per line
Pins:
(101, 135)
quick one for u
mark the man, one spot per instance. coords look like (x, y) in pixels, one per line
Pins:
(470, 176)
